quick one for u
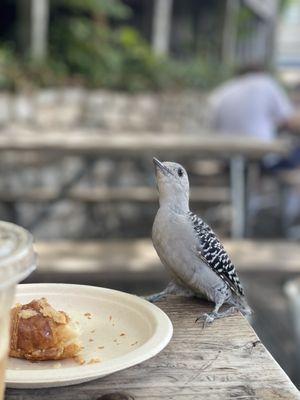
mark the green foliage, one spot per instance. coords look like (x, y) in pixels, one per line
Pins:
(10, 72)
(16, 74)
(140, 69)
(110, 8)
(98, 54)
(116, 57)
(90, 44)
(244, 18)
(197, 73)
(283, 4)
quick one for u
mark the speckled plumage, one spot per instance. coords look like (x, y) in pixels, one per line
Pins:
(213, 253)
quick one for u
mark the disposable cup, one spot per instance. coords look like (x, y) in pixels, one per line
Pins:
(17, 261)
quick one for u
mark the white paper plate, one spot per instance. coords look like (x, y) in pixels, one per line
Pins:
(119, 329)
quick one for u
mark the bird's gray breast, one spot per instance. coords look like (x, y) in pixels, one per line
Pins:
(176, 244)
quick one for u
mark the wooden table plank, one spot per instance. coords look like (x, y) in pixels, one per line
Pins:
(128, 144)
(223, 361)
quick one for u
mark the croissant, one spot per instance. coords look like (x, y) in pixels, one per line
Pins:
(39, 332)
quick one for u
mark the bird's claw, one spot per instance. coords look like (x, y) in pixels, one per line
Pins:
(154, 297)
(208, 318)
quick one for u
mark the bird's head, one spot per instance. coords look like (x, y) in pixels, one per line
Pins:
(172, 182)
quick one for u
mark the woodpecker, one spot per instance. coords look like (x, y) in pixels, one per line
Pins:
(189, 249)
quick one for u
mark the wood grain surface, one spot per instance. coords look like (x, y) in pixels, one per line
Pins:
(223, 361)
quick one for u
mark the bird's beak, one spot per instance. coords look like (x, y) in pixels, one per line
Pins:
(165, 170)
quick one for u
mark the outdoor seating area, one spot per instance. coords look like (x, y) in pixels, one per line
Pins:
(149, 200)
(241, 155)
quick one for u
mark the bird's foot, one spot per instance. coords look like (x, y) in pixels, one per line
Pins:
(153, 298)
(172, 288)
(208, 318)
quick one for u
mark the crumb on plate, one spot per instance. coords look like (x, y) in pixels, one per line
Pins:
(79, 360)
(94, 361)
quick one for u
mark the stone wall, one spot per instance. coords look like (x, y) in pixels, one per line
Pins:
(69, 107)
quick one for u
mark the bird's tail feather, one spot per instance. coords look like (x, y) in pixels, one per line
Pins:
(243, 306)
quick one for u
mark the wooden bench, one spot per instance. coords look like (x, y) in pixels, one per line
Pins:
(139, 256)
(226, 360)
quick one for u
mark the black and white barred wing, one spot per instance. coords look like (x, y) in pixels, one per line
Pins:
(212, 252)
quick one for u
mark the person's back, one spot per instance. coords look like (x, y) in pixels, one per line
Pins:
(251, 105)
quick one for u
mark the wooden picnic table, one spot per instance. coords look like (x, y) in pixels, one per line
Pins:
(91, 144)
(223, 361)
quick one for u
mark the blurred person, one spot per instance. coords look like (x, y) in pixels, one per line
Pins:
(253, 104)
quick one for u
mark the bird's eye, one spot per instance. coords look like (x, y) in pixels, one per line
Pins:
(180, 172)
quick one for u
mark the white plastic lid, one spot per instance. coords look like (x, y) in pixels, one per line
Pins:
(17, 257)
